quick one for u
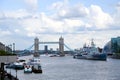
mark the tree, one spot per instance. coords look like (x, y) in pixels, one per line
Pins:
(2, 53)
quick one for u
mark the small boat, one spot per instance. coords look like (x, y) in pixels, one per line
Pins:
(36, 68)
(34, 60)
(27, 69)
(54, 55)
(19, 64)
(10, 65)
(79, 56)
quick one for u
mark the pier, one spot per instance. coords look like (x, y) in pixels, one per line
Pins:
(4, 75)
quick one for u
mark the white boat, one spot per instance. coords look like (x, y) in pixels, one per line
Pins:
(19, 64)
(34, 61)
(27, 68)
(36, 66)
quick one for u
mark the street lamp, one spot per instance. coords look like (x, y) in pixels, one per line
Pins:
(2, 71)
(13, 47)
(16, 73)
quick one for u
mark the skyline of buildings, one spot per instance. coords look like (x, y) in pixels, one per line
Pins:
(115, 44)
(5, 48)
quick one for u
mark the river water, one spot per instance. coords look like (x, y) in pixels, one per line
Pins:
(67, 68)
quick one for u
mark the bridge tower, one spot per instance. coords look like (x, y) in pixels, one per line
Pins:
(36, 47)
(61, 46)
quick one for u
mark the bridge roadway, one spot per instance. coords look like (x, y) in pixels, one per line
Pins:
(48, 42)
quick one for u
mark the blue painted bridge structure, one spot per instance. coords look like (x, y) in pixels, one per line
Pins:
(36, 46)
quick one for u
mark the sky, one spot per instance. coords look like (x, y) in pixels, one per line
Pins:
(77, 21)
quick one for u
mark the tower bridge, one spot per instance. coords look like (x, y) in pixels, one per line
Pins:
(60, 42)
(36, 44)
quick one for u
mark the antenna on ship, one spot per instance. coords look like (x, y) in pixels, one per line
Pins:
(92, 43)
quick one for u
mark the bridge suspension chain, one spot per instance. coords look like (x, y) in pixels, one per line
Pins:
(25, 50)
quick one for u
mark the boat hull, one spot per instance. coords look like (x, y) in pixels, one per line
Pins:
(37, 71)
(78, 56)
(36, 68)
(13, 66)
(27, 69)
(19, 67)
(97, 57)
(92, 57)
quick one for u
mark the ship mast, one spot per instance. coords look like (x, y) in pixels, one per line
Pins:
(92, 43)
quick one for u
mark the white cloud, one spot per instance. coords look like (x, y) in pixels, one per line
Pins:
(2, 15)
(33, 24)
(32, 4)
(4, 33)
(71, 25)
(64, 10)
(56, 5)
(59, 5)
(116, 16)
(18, 14)
(73, 19)
(41, 24)
(98, 18)
(91, 17)
(17, 31)
(75, 23)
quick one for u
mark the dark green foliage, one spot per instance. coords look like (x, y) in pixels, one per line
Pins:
(4, 53)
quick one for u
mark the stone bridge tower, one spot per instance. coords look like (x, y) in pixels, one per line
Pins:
(61, 46)
(36, 47)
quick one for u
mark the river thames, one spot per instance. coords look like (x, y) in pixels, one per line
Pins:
(67, 68)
